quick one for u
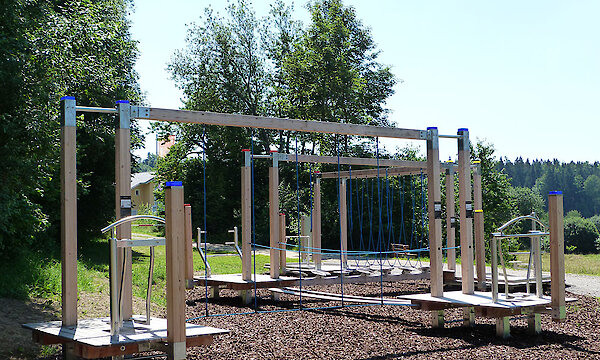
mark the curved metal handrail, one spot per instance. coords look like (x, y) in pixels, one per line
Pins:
(519, 218)
(116, 291)
(130, 219)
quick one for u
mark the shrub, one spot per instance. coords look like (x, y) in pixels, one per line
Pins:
(581, 234)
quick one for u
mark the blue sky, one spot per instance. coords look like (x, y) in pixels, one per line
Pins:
(523, 75)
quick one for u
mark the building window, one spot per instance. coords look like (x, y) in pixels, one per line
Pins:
(137, 192)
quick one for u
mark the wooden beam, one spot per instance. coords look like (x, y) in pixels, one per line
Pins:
(123, 208)
(189, 254)
(175, 244)
(557, 254)
(210, 118)
(316, 225)
(450, 219)
(246, 217)
(434, 209)
(68, 212)
(345, 160)
(479, 230)
(343, 224)
(274, 220)
(373, 173)
(305, 247)
(282, 244)
(466, 220)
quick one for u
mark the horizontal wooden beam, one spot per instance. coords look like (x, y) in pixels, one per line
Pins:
(371, 173)
(210, 118)
(344, 160)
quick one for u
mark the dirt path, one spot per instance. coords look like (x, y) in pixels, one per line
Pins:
(13, 313)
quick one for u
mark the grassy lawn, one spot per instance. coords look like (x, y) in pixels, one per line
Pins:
(218, 264)
(574, 263)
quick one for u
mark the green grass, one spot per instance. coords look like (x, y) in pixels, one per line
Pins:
(36, 274)
(574, 263)
(218, 264)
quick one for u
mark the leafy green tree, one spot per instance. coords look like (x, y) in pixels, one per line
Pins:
(332, 74)
(498, 205)
(240, 64)
(49, 49)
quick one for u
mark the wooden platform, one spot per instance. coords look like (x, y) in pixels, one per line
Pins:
(483, 304)
(338, 297)
(513, 281)
(92, 340)
(235, 282)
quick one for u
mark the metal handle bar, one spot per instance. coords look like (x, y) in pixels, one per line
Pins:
(130, 219)
(519, 218)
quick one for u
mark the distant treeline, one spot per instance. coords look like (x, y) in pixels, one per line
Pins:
(579, 181)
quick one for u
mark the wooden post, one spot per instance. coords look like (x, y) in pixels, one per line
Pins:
(450, 219)
(316, 222)
(68, 216)
(503, 327)
(175, 251)
(437, 319)
(123, 199)
(466, 212)
(246, 216)
(282, 244)
(305, 247)
(274, 217)
(434, 208)
(343, 224)
(557, 255)
(479, 230)
(189, 254)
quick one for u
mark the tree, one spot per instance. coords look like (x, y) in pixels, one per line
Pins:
(49, 49)
(332, 73)
(591, 188)
(240, 64)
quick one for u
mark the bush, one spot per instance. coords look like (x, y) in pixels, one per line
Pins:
(581, 235)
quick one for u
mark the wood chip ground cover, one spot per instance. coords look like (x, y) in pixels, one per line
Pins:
(382, 332)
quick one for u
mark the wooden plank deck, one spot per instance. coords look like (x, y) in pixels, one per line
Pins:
(235, 281)
(338, 297)
(92, 338)
(482, 302)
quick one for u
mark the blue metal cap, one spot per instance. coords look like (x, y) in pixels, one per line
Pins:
(432, 128)
(68, 98)
(122, 101)
(463, 129)
(173, 183)
(555, 193)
